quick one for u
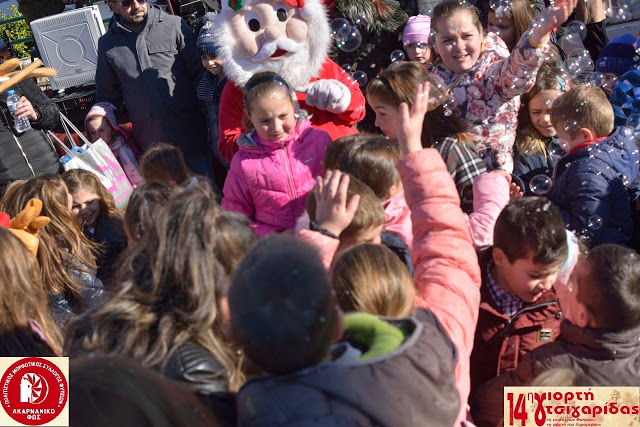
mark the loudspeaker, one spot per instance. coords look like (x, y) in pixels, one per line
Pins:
(68, 42)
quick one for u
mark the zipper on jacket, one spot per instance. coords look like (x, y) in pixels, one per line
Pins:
(15, 138)
(292, 189)
(524, 310)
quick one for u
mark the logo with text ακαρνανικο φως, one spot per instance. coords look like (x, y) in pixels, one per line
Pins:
(34, 391)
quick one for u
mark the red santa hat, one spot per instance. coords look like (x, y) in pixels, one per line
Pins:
(306, 9)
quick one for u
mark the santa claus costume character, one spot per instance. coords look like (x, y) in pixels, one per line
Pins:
(279, 159)
(292, 39)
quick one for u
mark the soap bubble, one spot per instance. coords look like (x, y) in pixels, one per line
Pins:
(340, 28)
(360, 77)
(448, 104)
(633, 122)
(595, 78)
(623, 13)
(346, 68)
(540, 184)
(576, 29)
(595, 222)
(397, 56)
(351, 42)
(360, 19)
(609, 82)
(571, 126)
(432, 37)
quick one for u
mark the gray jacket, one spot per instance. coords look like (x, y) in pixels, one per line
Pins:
(155, 73)
(413, 385)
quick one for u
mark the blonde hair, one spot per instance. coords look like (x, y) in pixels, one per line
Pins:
(588, 106)
(63, 246)
(22, 294)
(77, 179)
(372, 279)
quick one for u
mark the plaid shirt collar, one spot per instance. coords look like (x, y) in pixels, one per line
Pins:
(507, 303)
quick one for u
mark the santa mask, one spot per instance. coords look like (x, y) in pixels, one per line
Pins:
(288, 37)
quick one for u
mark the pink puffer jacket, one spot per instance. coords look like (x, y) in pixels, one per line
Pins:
(269, 181)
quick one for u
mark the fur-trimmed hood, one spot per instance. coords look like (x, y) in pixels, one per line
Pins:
(354, 10)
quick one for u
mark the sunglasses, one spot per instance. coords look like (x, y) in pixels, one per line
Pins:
(129, 3)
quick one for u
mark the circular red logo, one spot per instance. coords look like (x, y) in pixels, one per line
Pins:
(34, 391)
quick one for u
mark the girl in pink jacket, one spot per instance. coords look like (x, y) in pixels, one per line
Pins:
(275, 169)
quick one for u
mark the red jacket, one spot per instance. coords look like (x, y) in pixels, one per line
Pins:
(502, 341)
(336, 125)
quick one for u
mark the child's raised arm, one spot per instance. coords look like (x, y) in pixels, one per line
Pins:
(447, 278)
(516, 73)
(333, 214)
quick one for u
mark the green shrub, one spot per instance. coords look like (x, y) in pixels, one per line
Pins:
(17, 30)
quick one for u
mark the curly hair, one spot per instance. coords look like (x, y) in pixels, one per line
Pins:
(80, 178)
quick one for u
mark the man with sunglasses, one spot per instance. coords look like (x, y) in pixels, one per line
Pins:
(148, 61)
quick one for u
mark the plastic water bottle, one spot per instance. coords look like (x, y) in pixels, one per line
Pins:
(21, 125)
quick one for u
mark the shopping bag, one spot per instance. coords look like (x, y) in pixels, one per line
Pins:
(97, 158)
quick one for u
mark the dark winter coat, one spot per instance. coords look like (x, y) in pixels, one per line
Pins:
(109, 233)
(413, 385)
(30, 153)
(526, 166)
(380, 37)
(610, 358)
(501, 341)
(155, 73)
(591, 183)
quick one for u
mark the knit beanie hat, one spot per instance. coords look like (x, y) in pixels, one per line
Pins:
(205, 43)
(618, 56)
(417, 30)
(106, 110)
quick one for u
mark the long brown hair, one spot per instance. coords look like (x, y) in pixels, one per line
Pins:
(520, 13)
(165, 163)
(63, 246)
(171, 285)
(397, 84)
(80, 178)
(22, 294)
(372, 279)
(528, 139)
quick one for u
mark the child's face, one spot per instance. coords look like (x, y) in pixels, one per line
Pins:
(419, 52)
(386, 116)
(99, 127)
(504, 27)
(524, 278)
(458, 41)
(86, 207)
(212, 64)
(540, 111)
(273, 116)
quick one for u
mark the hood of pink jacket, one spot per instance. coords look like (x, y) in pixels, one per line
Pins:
(397, 218)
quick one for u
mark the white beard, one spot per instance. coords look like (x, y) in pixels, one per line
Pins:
(297, 68)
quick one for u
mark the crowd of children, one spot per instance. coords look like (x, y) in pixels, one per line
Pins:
(483, 238)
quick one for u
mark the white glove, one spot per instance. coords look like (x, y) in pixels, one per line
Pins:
(330, 95)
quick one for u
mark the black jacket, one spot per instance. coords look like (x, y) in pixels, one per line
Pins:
(30, 153)
(109, 232)
(192, 365)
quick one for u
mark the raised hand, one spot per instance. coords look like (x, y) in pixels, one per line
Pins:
(333, 213)
(409, 133)
(550, 18)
